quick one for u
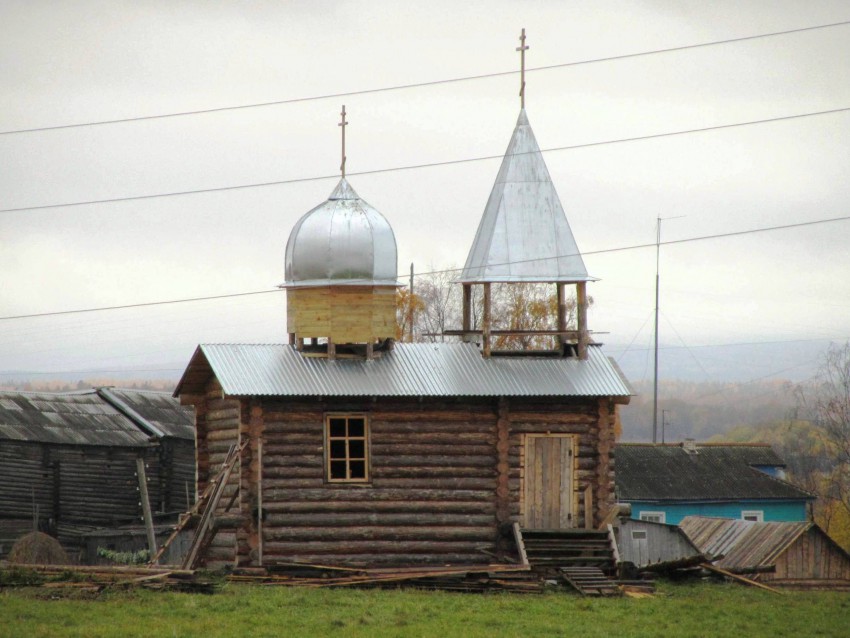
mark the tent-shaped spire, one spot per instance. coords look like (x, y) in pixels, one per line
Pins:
(524, 234)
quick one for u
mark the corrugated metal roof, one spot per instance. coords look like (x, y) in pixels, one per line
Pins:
(713, 473)
(524, 234)
(72, 419)
(742, 543)
(410, 369)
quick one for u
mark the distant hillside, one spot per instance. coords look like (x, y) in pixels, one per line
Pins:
(704, 410)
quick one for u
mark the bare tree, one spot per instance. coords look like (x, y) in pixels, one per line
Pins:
(825, 403)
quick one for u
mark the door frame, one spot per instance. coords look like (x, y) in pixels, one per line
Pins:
(524, 484)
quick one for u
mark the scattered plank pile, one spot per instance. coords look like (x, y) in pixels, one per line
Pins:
(516, 579)
(99, 577)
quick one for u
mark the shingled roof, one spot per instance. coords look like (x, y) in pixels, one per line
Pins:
(659, 473)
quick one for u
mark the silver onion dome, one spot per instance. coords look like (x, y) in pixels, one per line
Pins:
(341, 242)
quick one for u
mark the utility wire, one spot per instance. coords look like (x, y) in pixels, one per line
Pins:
(448, 270)
(399, 87)
(376, 171)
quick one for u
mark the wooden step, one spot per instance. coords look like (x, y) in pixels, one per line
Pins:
(590, 581)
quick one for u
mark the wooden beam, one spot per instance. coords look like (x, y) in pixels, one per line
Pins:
(467, 310)
(581, 318)
(486, 321)
(588, 507)
(737, 577)
(520, 544)
(146, 505)
(562, 313)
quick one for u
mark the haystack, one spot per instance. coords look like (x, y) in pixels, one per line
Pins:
(37, 548)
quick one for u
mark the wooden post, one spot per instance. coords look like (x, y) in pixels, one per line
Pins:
(467, 311)
(581, 318)
(331, 349)
(146, 504)
(562, 315)
(292, 338)
(588, 507)
(486, 321)
(299, 344)
(370, 350)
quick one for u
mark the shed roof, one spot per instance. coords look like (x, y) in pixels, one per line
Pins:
(742, 543)
(713, 472)
(70, 419)
(88, 418)
(409, 369)
(524, 234)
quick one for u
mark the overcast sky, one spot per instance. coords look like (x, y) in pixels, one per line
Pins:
(86, 61)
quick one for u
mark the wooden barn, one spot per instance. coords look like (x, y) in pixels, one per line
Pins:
(794, 554)
(68, 462)
(359, 451)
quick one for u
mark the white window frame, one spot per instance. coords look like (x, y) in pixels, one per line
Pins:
(756, 516)
(661, 516)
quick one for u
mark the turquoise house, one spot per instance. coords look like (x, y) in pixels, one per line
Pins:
(666, 483)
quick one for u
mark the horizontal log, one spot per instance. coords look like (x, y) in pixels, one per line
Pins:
(379, 534)
(369, 547)
(371, 494)
(431, 472)
(371, 507)
(424, 517)
(386, 559)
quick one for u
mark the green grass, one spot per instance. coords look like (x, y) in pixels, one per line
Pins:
(245, 610)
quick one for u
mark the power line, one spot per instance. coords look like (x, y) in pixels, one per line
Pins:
(447, 270)
(399, 87)
(217, 189)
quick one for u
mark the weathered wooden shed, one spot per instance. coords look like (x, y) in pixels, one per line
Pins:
(644, 543)
(798, 554)
(68, 461)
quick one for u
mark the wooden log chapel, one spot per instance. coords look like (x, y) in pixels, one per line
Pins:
(361, 451)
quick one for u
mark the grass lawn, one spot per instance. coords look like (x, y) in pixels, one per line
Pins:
(703, 609)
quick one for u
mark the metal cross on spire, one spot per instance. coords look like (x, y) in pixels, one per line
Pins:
(343, 124)
(522, 48)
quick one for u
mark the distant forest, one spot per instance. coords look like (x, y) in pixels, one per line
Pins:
(162, 385)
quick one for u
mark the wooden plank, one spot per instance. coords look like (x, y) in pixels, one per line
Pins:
(520, 544)
(747, 581)
(566, 488)
(588, 507)
(146, 505)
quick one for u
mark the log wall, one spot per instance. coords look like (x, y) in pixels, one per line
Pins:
(446, 475)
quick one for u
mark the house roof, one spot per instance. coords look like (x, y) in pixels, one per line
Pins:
(742, 543)
(524, 234)
(724, 472)
(409, 369)
(86, 418)
(155, 412)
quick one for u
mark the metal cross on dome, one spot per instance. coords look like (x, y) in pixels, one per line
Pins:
(522, 48)
(343, 124)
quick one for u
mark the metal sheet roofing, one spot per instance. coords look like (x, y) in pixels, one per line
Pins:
(410, 369)
(742, 543)
(711, 473)
(524, 234)
(70, 419)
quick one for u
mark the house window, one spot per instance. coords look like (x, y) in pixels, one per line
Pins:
(638, 535)
(757, 516)
(654, 517)
(346, 448)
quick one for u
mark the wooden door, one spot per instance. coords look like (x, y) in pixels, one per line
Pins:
(548, 493)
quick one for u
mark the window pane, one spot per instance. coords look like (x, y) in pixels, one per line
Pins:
(358, 469)
(356, 427)
(338, 470)
(337, 427)
(337, 450)
(357, 449)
